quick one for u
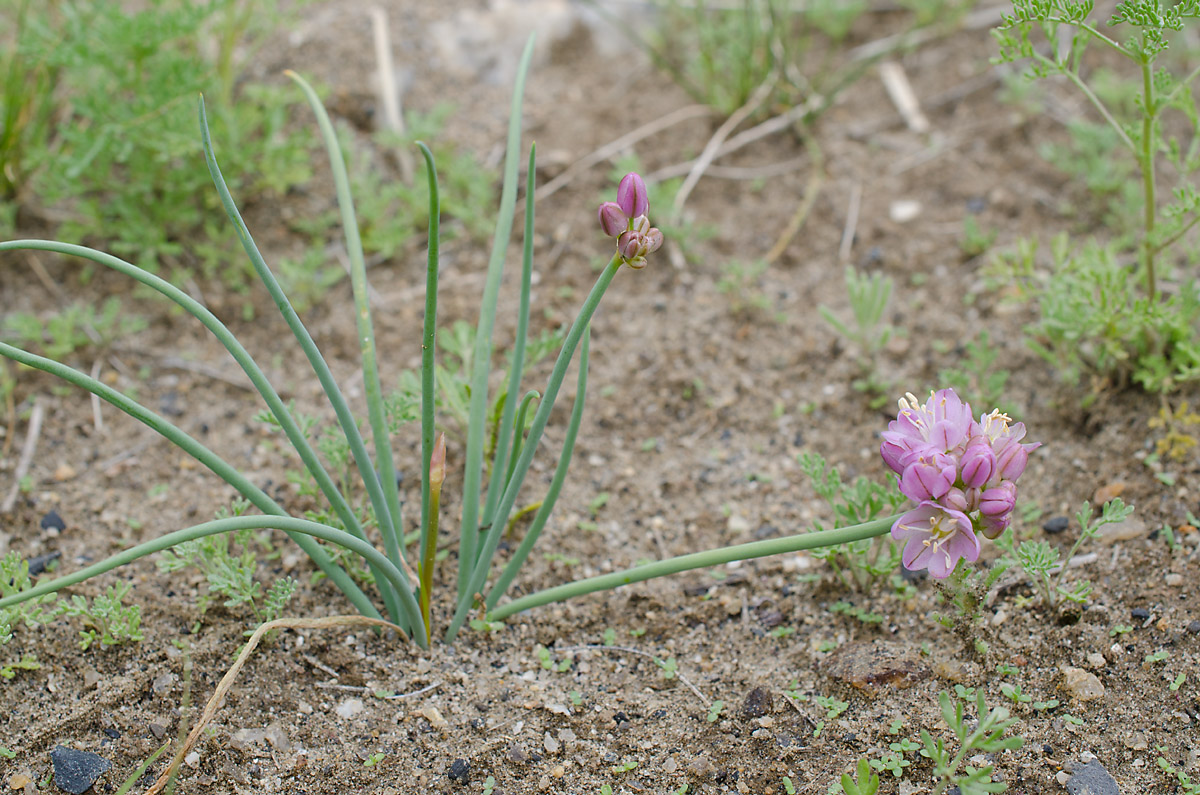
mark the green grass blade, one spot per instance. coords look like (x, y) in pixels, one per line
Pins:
(208, 458)
(482, 359)
(389, 524)
(556, 483)
(341, 408)
(505, 428)
(429, 345)
(518, 438)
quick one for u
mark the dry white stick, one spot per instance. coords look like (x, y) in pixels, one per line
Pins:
(26, 460)
(686, 113)
(393, 118)
(710, 150)
(900, 91)
(851, 222)
(758, 132)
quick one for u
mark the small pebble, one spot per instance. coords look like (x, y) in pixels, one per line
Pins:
(904, 210)
(19, 781)
(1096, 660)
(1127, 530)
(1194, 627)
(349, 708)
(1174, 580)
(1139, 613)
(64, 472)
(550, 744)
(517, 755)
(1137, 742)
(76, 771)
(1056, 525)
(1082, 685)
(431, 714)
(304, 708)
(758, 702)
(1092, 779)
(159, 730)
(460, 771)
(52, 521)
(192, 760)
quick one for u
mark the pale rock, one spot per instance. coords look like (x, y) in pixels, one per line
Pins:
(550, 744)
(1174, 580)
(1096, 660)
(904, 210)
(1082, 685)
(1127, 530)
(349, 708)
(431, 714)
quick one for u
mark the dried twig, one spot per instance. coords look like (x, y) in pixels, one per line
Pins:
(851, 222)
(214, 703)
(815, 180)
(714, 144)
(393, 118)
(900, 92)
(26, 460)
(686, 113)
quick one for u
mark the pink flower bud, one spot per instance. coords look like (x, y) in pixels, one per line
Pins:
(631, 245)
(437, 463)
(977, 463)
(654, 239)
(998, 501)
(928, 478)
(612, 220)
(631, 195)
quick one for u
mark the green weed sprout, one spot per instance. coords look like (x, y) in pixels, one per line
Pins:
(986, 736)
(869, 297)
(1093, 316)
(1041, 562)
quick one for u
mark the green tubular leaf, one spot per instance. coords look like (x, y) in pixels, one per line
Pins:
(428, 344)
(696, 560)
(518, 435)
(556, 483)
(289, 524)
(505, 427)
(481, 359)
(334, 394)
(207, 457)
(390, 519)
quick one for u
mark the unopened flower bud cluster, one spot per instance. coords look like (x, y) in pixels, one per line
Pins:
(962, 473)
(626, 220)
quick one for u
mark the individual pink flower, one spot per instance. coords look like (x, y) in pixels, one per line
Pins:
(1011, 456)
(940, 425)
(998, 500)
(612, 219)
(935, 538)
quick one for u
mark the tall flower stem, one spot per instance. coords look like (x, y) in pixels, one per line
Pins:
(1149, 114)
(696, 560)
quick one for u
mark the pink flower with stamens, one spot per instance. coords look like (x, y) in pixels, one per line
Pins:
(935, 538)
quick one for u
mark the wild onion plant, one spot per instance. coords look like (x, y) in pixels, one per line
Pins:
(961, 471)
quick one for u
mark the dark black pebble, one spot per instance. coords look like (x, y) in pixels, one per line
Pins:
(460, 771)
(76, 771)
(52, 521)
(758, 702)
(1140, 613)
(1194, 627)
(1092, 779)
(1056, 525)
(38, 564)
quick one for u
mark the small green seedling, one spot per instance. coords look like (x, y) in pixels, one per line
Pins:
(715, 710)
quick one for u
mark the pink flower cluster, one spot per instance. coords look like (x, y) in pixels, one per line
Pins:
(625, 219)
(961, 472)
